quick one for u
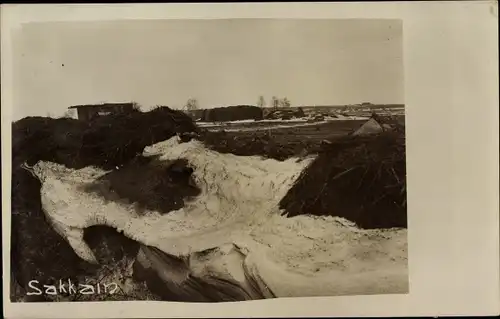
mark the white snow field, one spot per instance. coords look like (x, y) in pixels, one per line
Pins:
(233, 237)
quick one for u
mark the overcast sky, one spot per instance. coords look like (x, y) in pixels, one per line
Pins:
(218, 62)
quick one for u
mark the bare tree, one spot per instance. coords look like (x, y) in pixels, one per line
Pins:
(275, 102)
(69, 114)
(261, 102)
(285, 102)
(192, 104)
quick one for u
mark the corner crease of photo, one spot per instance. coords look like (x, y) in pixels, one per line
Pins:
(208, 161)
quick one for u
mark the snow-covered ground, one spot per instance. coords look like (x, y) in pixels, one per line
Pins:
(295, 120)
(231, 123)
(234, 230)
(242, 126)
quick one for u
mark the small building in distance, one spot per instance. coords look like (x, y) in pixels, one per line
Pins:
(90, 111)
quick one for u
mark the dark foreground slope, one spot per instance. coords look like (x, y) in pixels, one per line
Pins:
(362, 179)
(104, 142)
(37, 251)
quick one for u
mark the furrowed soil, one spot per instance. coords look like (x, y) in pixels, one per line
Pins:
(279, 143)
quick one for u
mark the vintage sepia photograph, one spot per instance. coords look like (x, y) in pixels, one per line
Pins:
(208, 160)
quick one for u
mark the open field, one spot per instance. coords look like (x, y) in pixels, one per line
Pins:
(278, 140)
(272, 124)
(308, 132)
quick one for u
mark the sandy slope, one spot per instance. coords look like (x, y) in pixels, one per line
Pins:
(232, 238)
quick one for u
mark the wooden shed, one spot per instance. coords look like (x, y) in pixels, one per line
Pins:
(90, 111)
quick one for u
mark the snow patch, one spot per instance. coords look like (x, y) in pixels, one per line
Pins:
(237, 207)
(297, 122)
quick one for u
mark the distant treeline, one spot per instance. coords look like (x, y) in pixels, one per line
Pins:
(251, 112)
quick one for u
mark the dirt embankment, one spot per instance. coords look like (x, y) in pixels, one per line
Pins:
(104, 142)
(148, 183)
(362, 179)
(37, 251)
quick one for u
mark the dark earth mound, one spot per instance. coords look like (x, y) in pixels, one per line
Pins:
(362, 179)
(149, 183)
(108, 245)
(105, 141)
(37, 251)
